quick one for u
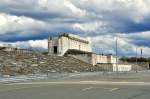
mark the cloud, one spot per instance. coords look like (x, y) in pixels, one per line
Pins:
(107, 45)
(138, 38)
(11, 23)
(15, 28)
(37, 45)
(139, 35)
(75, 10)
(122, 15)
(24, 20)
(90, 27)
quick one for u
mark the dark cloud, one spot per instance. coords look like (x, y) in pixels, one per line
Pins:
(142, 42)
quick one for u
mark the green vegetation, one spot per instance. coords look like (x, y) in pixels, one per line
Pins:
(134, 59)
(45, 53)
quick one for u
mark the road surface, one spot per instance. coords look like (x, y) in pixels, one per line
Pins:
(79, 86)
(75, 90)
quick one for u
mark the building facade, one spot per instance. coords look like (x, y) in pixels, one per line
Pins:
(96, 59)
(122, 67)
(77, 47)
(59, 45)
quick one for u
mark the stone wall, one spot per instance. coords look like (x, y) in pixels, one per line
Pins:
(112, 67)
(140, 66)
(101, 59)
(105, 66)
(122, 67)
(83, 57)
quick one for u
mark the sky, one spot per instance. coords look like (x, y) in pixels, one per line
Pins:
(28, 23)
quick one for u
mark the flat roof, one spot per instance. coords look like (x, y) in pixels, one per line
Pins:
(75, 37)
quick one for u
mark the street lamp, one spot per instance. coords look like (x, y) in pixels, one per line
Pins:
(116, 54)
(136, 60)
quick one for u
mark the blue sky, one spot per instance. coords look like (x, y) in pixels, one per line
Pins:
(28, 23)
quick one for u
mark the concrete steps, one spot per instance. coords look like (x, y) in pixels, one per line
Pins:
(24, 63)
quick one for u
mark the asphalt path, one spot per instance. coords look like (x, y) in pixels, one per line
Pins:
(79, 86)
(75, 90)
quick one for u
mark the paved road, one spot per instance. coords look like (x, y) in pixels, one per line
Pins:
(75, 90)
(79, 86)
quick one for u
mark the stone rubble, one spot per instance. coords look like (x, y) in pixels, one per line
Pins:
(13, 63)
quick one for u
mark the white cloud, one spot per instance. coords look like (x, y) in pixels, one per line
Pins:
(107, 44)
(146, 51)
(135, 10)
(39, 44)
(11, 23)
(90, 27)
(138, 9)
(65, 7)
(75, 10)
(43, 3)
(138, 35)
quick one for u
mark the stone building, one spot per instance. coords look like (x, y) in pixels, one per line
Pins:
(59, 45)
(77, 47)
(97, 58)
(80, 48)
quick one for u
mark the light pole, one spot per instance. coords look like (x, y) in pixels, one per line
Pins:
(116, 54)
(136, 60)
(141, 53)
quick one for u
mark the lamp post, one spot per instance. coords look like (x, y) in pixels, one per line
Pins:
(136, 60)
(141, 53)
(116, 54)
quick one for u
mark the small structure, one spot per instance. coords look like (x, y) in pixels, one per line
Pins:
(122, 67)
(103, 59)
